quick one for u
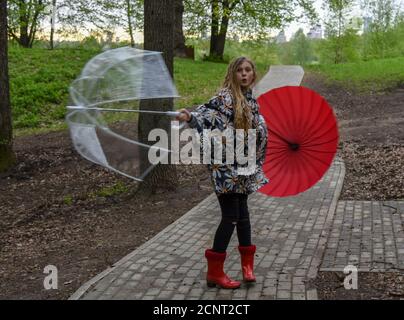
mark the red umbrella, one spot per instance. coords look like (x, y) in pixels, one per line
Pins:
(302, 139)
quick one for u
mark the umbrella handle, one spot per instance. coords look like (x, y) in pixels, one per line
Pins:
(173, 113)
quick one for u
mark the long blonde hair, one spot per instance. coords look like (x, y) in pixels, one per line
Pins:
(242, 113)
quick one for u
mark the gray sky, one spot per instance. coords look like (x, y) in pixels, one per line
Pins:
(289, 31)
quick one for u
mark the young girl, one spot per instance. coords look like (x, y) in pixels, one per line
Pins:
(234, 107)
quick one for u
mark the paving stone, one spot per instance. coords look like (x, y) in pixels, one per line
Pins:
(290, 233)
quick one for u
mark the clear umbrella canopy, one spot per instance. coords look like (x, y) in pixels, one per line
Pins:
(112, 83)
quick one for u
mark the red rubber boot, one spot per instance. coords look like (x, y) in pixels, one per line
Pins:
(216, 275)
(247, 262)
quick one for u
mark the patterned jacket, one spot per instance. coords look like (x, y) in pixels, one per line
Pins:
(218, 114)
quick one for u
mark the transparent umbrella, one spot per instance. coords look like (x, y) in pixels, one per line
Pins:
(112, 83)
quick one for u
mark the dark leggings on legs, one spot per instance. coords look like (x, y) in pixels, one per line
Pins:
(234, 215)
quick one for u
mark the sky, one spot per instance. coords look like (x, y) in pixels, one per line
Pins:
(289, 30)
(293, 27)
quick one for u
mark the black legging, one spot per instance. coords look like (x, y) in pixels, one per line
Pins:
(234, 214)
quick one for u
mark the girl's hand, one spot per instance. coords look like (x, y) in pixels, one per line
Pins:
(184, 115)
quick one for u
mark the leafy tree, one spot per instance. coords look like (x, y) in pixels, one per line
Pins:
(298, 50)
(246, 17)
(24, 17)
(7, 157)
(100, 16)
(302, 50)
(134, 17)
(380, 38)
(342, 38)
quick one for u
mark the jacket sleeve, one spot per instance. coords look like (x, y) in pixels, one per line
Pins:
(262, 140)
(207, 116)
(201, 119)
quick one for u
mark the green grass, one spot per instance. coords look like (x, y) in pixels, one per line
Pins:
(109, 191)
(39, 81)
(196, 81)
(374, 75)
(40, 78)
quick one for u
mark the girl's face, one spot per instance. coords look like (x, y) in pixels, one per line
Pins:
(245, 75)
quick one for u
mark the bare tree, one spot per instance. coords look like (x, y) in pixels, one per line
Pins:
(179, 39)
(158, 36)
(7, 157)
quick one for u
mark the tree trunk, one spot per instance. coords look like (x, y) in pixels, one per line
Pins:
(53, 23)
(130, 27)
(23, 22)
(179, 39)
(7, 157)
(214, 33)
(158, 36)
(28, 20)
(221, 39)
(218, 37)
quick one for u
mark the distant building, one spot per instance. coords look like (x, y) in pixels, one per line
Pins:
(315, 32)
(281, 37)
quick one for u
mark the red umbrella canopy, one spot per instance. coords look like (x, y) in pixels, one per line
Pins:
(302, 139)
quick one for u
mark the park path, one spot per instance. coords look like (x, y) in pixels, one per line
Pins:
(279, 76)
(290, 234)
(296, 237)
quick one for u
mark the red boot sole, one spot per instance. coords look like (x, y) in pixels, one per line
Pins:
(214, 284)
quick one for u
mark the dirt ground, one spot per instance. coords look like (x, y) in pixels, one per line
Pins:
(370, 286)
(59, 209)
(371, 130)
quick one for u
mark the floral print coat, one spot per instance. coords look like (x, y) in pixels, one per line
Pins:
(218, 113)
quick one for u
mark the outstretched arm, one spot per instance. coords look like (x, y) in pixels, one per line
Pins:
(204, 117)
(262, 140)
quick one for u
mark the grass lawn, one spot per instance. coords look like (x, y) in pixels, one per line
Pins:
(374, 75)
(40, 78)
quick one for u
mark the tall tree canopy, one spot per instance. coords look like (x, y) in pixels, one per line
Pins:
(246, 17)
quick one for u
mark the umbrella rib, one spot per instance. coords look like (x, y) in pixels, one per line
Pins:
(289, 111)
(274, 165)
(312, 156)
(304, 175)
(290, 177)
(308, 117)
(275, 186)
(313, 123)
(319, 125)
(273, 158)
(276, 152)
(315, 168)
(279, 136)
(275, 116)
(320, 136)
(318, 144)
(318, 151)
